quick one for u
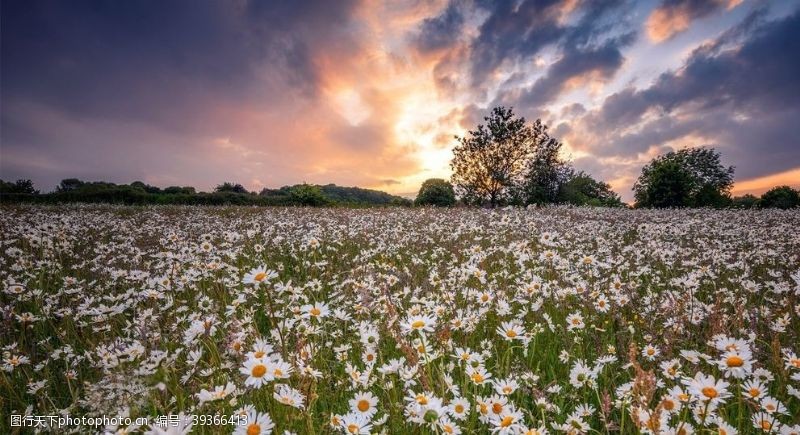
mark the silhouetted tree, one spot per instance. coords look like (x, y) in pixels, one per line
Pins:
(68, 184)
(176, 190)
(230, 187)
(145, 187)
(744, 201)
(692, 177)
(435, 191)
(19, 186)
(780, 197)
(490, 162)
(546, 172)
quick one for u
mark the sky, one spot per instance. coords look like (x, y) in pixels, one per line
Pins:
(371, 94)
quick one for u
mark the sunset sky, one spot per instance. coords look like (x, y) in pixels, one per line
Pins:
(371, 93)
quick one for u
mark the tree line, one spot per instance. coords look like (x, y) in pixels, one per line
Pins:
(508, 161)
(227, 193)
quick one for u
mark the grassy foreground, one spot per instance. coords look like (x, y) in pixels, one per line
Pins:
(535, 321)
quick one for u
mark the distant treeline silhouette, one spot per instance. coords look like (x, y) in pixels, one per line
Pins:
(73, 190)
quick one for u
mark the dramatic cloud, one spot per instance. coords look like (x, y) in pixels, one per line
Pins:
(674, 16)
(371, 93)
(738, 93)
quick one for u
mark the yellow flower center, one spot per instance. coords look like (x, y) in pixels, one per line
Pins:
(277, 372)
(260, 276)
(734, 361)
(363, 405)
(459, 408)
(669, 405)
(507, 421)
(507, 389)
(253, 429)
(754, 392)
(709, 392)
(315, 311)
(259, 354)
(511, 333)
(766, 425)
(447, 428)
(422, 399)
(477, 378)
(497, 407)
(352, 428)
(258, 370)
(651, 351)
(418, 324)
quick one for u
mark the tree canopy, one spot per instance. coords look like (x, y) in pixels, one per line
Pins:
(691, 177)
(436, 191)
(509, 161)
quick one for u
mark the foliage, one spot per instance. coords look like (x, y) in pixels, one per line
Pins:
(307, 195)
(780, 197)
(138, 193)
(230, 187)
(745, 201)
(546, 172)
(581, 189)
(692, 177)
(489, 163)
(507, 161)
(24, 187)
(436, 191)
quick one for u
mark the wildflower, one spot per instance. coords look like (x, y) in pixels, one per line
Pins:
(257, 373)
(220, 392)
(575, 321)
(754, 389)
(507, 421)
(478, 375)
(315, 311)
(581, 375)
(650, 352)
(459, 408)
(505, 386)
(708, 389)
(288, 396)
(356, 424)
(736, 363)
(419, 323)
(364, 403)
(259, 275)
(257, 423)
(511, 331)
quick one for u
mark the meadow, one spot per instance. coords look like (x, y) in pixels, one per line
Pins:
(402, 320)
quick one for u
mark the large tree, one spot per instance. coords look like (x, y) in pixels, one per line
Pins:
(691, 177)
(546, 171)
(489, 164)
